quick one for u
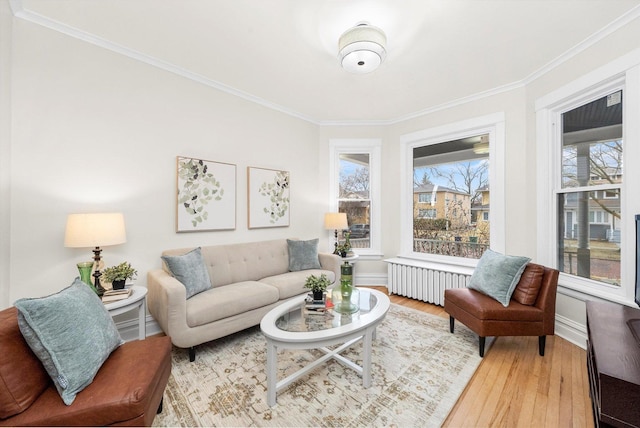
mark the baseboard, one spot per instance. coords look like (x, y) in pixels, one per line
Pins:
(129, 329)
(371, 279)
(571, 331)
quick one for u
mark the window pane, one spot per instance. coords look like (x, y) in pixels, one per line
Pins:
(451, 197)
(589, 246)
(354, 197)
(354, 176)
(592, 143)
(589, 222)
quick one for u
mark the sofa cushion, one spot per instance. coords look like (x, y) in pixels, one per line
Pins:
(190, 270)
(22, 376)
(497, 275)
(486, 308)
(228, 300)
(292, 283)
(72, 334)
(303, 255)
(526, 291)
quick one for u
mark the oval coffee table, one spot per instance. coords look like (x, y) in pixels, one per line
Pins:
(291, 326)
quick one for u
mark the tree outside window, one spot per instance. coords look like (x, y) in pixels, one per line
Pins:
(354, 196)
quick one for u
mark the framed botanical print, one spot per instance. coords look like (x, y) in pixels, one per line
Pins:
(268, 197)
(206, 195)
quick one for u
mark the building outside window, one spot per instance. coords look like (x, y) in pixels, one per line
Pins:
(354, 197)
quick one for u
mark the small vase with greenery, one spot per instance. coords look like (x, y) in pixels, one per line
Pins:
(344, 249)
(318, 285)
(117, 275)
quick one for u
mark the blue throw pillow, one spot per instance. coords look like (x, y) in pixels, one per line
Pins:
(190, 270)
(303, 255)
(497, 275)
(71, 333)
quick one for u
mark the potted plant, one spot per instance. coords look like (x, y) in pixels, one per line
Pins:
(117, 275)
(317, 284)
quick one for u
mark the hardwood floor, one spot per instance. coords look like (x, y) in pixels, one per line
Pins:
(515, 387)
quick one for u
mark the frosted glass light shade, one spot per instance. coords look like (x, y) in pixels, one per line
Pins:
(361, 49)
(94, 230)
(335, 221)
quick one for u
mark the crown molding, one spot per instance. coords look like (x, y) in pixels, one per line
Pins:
(20, 12)
(599, 35)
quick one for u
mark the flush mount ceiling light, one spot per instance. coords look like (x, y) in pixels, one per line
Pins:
(361, 49)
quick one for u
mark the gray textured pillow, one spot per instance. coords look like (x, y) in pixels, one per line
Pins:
(303, 255)
(497, 275)
(71, 333)
(190, 270)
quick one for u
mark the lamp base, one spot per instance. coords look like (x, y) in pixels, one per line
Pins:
(96, 274)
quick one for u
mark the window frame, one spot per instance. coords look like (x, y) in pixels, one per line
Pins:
(492, 124)
(372, 147)
(623, 74)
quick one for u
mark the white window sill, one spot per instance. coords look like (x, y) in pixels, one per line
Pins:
(584, 289)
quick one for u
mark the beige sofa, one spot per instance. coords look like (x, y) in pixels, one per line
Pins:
(247, 280)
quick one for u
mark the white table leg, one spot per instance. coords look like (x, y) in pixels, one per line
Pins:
(142, 320)
(272, 366)
(367, 342)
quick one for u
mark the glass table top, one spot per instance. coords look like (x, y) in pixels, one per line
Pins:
(301, 319)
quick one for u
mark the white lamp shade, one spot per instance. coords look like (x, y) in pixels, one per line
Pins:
(361, 49)
(335, 221)
(94, 230)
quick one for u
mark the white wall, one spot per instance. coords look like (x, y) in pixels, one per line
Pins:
(5, 147)
(96, 131)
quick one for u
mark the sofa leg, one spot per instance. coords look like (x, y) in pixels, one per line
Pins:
(452, 322)
(160, 406)
(192, 354)
(482, 340)
(542, 341)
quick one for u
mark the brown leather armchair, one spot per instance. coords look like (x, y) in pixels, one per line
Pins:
(531, 311)
(127, 390)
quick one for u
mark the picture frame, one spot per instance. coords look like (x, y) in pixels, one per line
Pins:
(268, 195)
(205, 196)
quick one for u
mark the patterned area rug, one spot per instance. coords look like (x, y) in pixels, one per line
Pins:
(419, 370)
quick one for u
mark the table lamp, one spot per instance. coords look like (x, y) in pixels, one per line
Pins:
(335, 221)
(95, 230)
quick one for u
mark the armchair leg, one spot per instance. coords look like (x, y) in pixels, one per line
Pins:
(542, 340)
(452, 322)
(482, 340)
(192, 354)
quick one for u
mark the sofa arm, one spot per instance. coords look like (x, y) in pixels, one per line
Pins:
(331, 262)
(167, 303)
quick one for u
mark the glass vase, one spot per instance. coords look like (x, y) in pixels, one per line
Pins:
(345, 297)
(85, 269)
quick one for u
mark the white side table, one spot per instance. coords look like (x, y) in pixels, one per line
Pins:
(349, 259)
(136, 300)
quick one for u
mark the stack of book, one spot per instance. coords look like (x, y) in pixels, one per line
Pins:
(115, 295)
(315, 306)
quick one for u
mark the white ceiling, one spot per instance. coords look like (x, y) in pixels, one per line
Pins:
(283, 53)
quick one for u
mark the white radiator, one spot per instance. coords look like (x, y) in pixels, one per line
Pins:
(423, 281)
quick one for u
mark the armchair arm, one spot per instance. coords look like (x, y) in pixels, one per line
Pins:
(546, 300)
(167, 303)
(331, 262)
